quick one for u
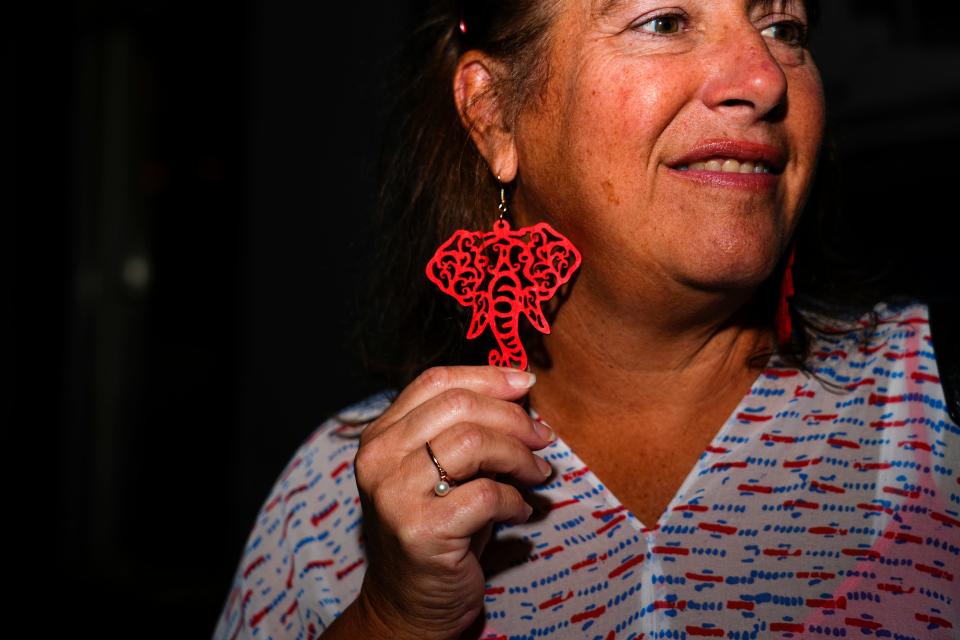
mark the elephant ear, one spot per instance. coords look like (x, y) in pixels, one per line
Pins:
(555, 259)
(457, 267)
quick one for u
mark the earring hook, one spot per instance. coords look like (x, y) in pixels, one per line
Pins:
(503, 198)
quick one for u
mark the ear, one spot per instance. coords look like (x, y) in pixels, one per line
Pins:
(481, 109)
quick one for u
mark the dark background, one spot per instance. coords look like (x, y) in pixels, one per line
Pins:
(192, 186)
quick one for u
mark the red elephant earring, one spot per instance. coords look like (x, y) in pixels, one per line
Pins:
(782, 319)
(502, 274)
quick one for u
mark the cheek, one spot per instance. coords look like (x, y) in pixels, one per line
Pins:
(810, 115)
(619, 111)
(806, 131)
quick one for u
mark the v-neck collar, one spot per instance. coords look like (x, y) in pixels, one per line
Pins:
(682, 493)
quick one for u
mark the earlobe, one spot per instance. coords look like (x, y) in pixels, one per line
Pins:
(480, 106)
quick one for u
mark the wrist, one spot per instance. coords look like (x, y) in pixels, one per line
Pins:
(377, 624)
(379, 619)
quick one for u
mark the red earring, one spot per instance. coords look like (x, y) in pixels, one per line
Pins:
(782, 320)
(502, 274)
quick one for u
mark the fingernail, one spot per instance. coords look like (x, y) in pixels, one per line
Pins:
(544, 430)
(519, 379)
(544, 466)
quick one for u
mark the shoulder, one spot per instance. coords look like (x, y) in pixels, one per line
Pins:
(303, 562)
(883, 331)
(361, 413)
(325, 458)
(856, 323)
(336, 435)
(944, 316)
(899, 344)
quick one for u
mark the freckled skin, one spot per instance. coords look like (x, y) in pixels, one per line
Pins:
(610, 192)
(591, 159)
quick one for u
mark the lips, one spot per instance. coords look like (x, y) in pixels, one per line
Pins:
(771, 157)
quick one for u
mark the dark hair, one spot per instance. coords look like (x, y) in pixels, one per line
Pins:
(434, 181)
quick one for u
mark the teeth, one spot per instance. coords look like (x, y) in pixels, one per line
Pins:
(726, 165)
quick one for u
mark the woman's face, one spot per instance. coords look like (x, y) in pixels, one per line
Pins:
(645, 145)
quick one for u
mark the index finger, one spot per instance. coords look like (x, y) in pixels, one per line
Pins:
(496, 382)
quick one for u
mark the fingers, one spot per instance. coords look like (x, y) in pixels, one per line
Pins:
(476, 504)
(467, 449)
(452, 407)
(476, 432)
(495, 382)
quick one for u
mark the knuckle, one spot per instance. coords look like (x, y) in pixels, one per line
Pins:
(369, 432)
(512, 497)
(487, 496)
(459, 401)
(472, 437)
(366, 462)
(436, 377)
(360, 470)
(520, 414)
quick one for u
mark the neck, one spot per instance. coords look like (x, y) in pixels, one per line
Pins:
(684, 367)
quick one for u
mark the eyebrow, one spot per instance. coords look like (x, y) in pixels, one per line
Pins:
(603, 7)
(770, 4)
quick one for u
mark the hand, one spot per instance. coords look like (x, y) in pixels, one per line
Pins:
(423, 577)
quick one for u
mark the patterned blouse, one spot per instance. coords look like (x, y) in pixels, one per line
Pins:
(814, 512)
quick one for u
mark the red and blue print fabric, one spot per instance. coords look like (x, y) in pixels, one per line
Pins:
(811, 514)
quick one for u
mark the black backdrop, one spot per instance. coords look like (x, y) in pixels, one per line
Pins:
(192, 189)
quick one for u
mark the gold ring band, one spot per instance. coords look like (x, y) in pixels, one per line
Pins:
(442, 487)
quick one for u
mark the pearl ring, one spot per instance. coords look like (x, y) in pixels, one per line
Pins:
(442, 487)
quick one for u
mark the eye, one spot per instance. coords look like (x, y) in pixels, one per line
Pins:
(661, 25)
(792, 33)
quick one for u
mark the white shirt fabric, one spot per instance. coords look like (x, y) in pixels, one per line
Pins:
(813, 513)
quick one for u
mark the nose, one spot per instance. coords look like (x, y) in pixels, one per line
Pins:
(743, 80)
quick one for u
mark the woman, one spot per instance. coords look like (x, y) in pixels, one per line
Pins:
(695, 483)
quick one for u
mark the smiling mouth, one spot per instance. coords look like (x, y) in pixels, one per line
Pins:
(728, 165)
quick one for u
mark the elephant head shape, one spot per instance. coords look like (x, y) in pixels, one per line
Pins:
(502, 274)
